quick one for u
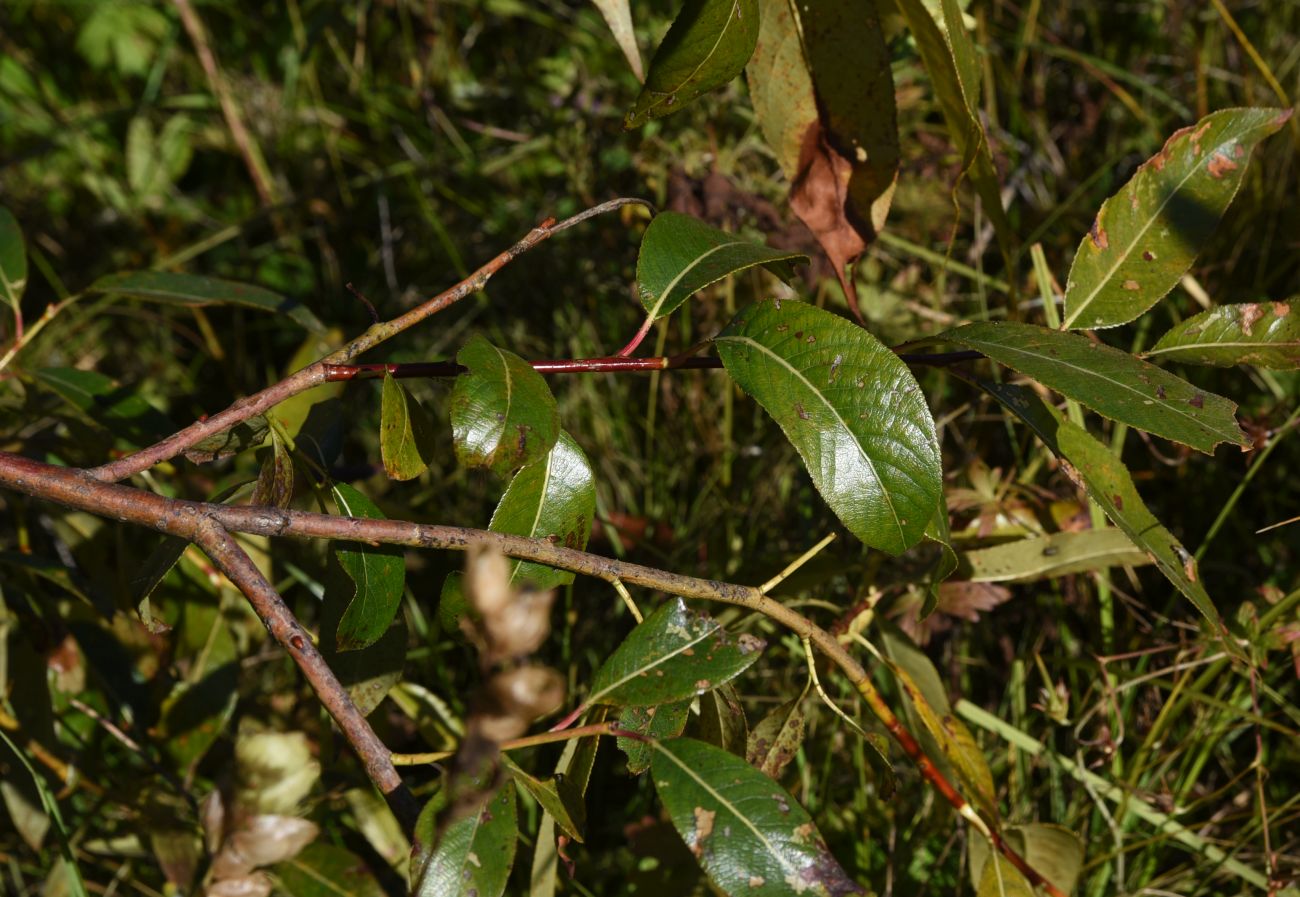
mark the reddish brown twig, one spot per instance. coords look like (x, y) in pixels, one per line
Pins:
(195, 520)
(314, 374)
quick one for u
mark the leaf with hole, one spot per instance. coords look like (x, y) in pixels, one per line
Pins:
(197, 291)
(1111, 382)
(13, 260)
(681, 255)
(379, 572)
(553, 498)
(1109, 483)
(850, 407)
(1147, 235)
(708, 44)
(503, 415)
(1263, 334)
(675, 654)
(406, 440)
(472, 857)
(746, 831)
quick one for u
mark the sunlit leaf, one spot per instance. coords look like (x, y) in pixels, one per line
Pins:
(1264, 334)
(745, 830)
(1111, 382)
(552, 498)
(1059, 554)
(777, 738)
(198, 291)
(326, 870)
(618, 15)
(503, 415)
(1109, 483)
(1147, 235)
(379, 572)
(658, 722)
(13, 260)
(472, 857)
(406, 439)
(675, 654)
(850, 407)
(681, 255)
(708, 44)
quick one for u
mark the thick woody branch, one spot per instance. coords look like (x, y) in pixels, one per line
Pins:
(315, 373)
(79, 490)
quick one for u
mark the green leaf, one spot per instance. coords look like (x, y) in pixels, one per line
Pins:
(117, 409)
(722, 719)
(853, 411)
(618, 15)
(503, 415)
(675, 654)
(708, 44)
(275, 480)
(1001, 879)
(195, 715)
(1265, 334)
(938, 533)
(777, 738)
(369, 673)
(324, 870)
(472, 857)
(241, 437)
(681, 255)
(1113, 383)
(1109, 483)
(563, 801)
(196, 291)
(406, 440)
(1147, 235)
(780, 85)
(1046, 557)
(379, 573)
(13, 260)
(746, 831)
(1053, 850)
(927, 703)
(553, 498)
(659, 722)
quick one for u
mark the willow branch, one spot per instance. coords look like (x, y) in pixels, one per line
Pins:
(315, 374)
(79, 490)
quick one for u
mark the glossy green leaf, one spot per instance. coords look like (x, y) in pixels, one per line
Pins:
(1263, 334)
(658, 722)
(1147, 235)
(675, 654)
(681, 255)
(746, 831)
(565, 804)
(325, 870)
(379, 572)
(13, 260)
(618, 16)
(1053, 850)
(1059, 554)
(708, 44)
(472, 857)
(553, 498)
(1113, 383)
(777, 738)
(119, 410)
(1001, 879)
(406, 438)
(275, 480)
(198, 291)
(927, 703)
(1109, 483)
(722, 720)
(853, 411)
(503, 415)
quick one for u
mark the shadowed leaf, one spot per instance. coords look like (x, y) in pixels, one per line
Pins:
(1059, 554)
(777, 738)
(708, 44)
(13, 260)
(324, 870)
(1111, 382)
(275, 480)
(722, 720)
(1052, 850)
(658, 723)
(473, 856)
(853, 410)
(1147, 235)
(197, 291)
(379, 572)
(618, 15)
(1264, 334)
(561, 801)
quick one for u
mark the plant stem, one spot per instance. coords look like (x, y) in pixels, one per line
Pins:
(605, 728)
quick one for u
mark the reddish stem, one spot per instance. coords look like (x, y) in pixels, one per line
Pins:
(636, 340)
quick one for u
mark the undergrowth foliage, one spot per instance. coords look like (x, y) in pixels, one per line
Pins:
(484, 728)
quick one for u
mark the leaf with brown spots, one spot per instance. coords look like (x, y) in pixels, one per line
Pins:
(1263, 334)
(472, 856)
(1147, 235)
(777, 738)
(746, 831)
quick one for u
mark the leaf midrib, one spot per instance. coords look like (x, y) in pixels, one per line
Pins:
(596, 696)
(672, 284)
(732, 18)
(1234, 344)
